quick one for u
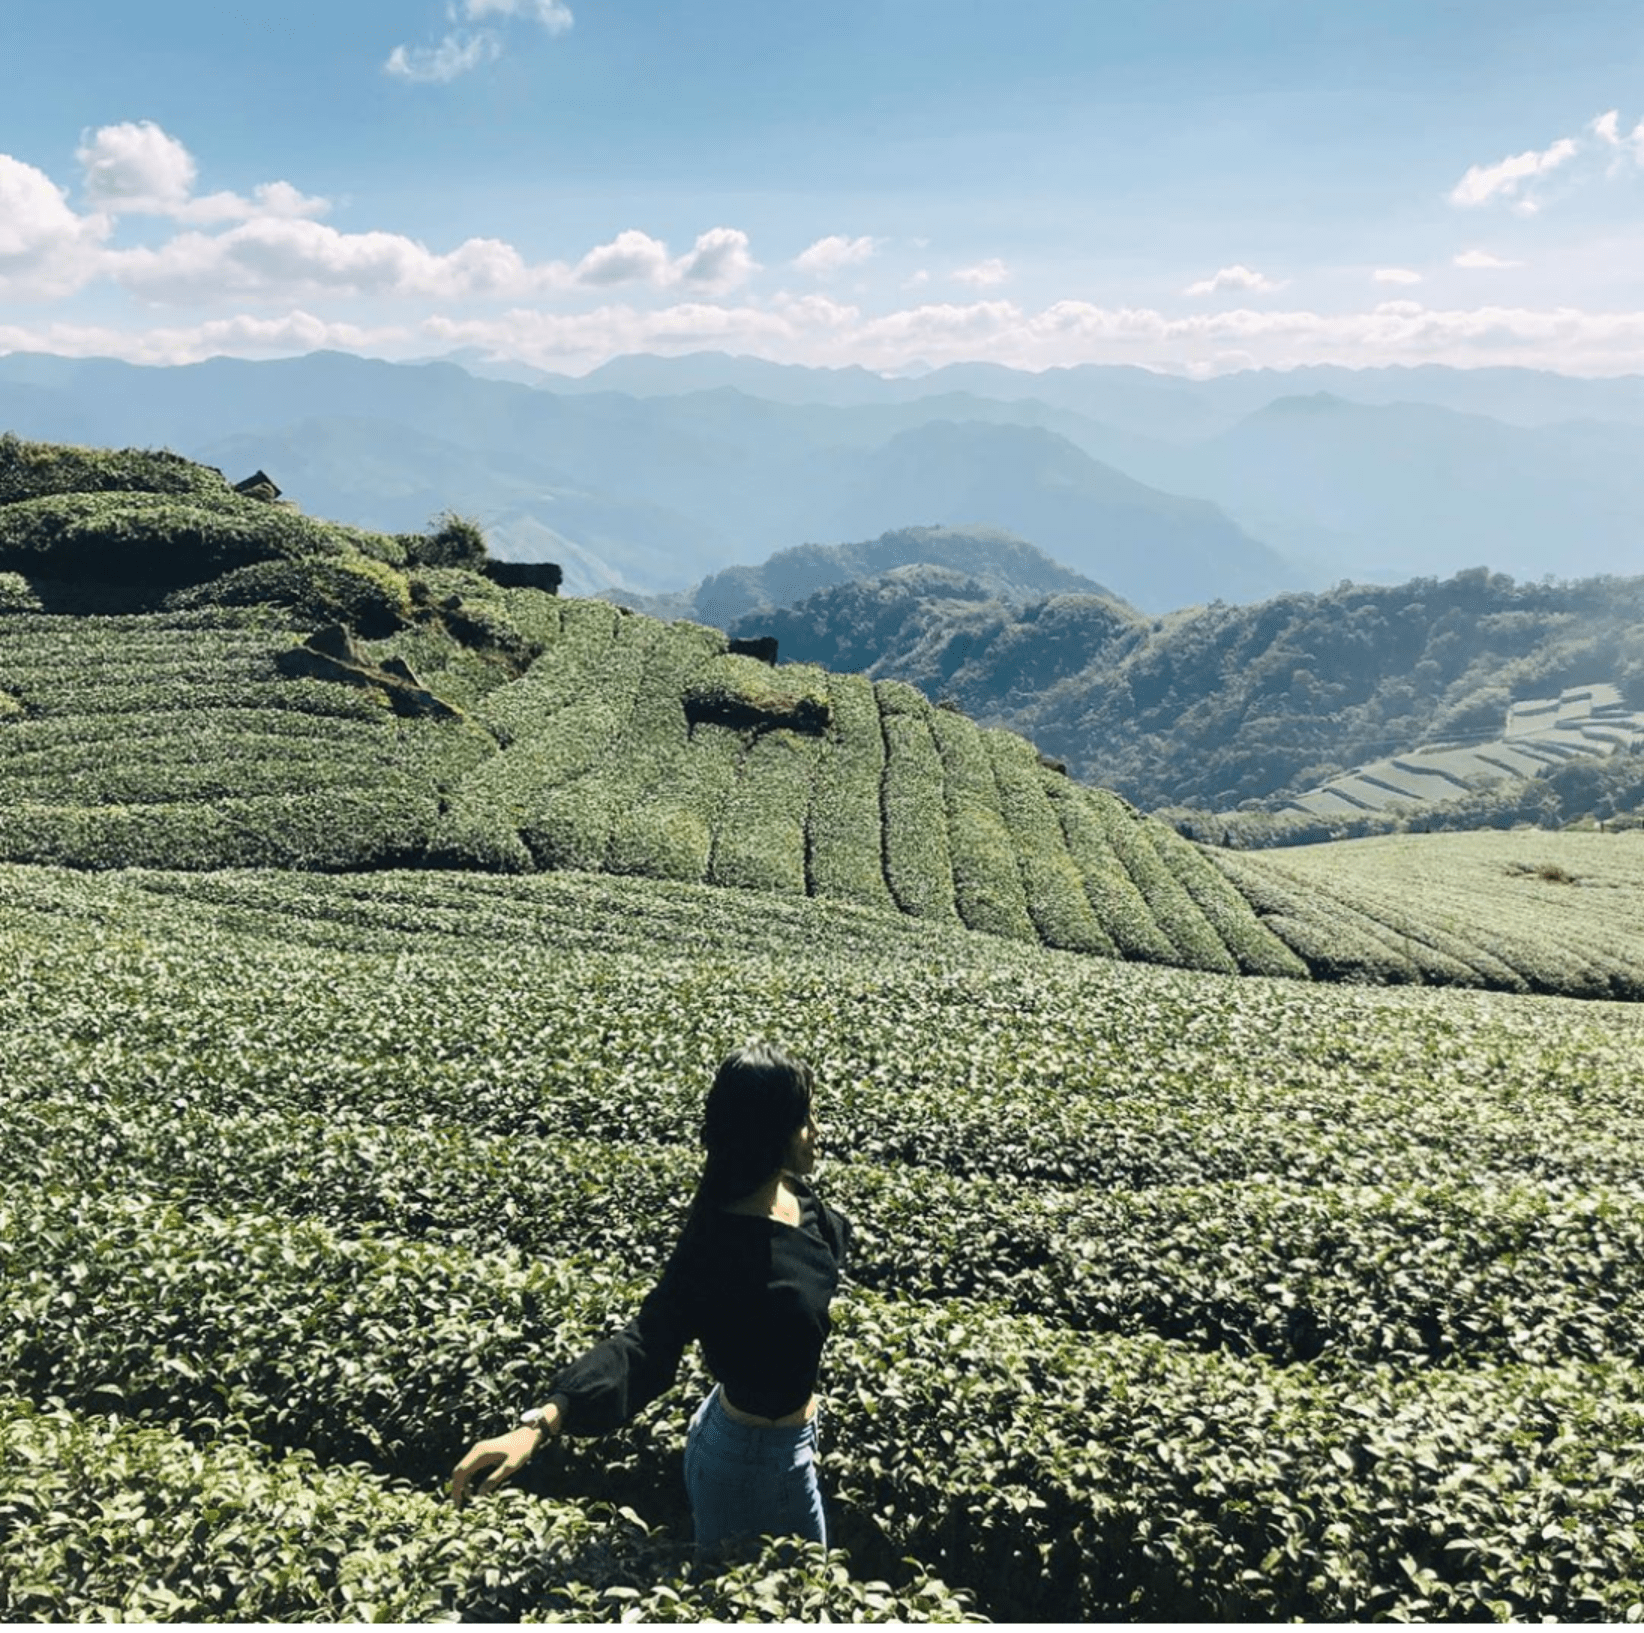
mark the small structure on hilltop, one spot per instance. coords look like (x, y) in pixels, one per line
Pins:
(259, 485)
(762, 647)
(525, 575)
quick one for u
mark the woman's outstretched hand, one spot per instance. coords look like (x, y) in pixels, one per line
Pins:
(492, 1462)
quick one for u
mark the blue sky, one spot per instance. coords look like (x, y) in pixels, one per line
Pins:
(1193, 185)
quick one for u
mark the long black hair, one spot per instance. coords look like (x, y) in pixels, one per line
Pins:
(760, 1099)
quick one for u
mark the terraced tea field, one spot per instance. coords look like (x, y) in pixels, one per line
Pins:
(358, 991)
(638, 748)
(1582, 722)
(1177, 1295)
(1520, 911)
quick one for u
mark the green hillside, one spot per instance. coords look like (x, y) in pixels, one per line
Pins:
(258, 689)
(1173, 1298)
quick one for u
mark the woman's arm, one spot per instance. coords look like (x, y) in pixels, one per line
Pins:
(607, 1385)
(602, 1388)
(493, 1461)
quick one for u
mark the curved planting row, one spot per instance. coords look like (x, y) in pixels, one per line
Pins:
(1054, 1474)
(172, 740)
(125, 1522)
(1516, 912)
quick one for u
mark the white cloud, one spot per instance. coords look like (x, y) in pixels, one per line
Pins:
(1481, 260)
(455, 55)
(276, 259)
(822, 331)
(1234, 277)
(833, 253)
(984, 275)
(461, 50)
(918, 280)
(1484, 182)
(1607, 128)
(241, 336)
(1395, 275)
(283, 259)
(46, 250)
(630, 257)
(554, 15)
(138, 169)
(817, 329)
(719, 260)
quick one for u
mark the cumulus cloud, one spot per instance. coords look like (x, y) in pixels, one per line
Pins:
(1395, 275)
(1234, 277)
(630, 257)
(984, 275)
(1481, 260)
(285, 259)
(292, 259)
(46, 249)
(273, 249)
(461, 50)
(830, 255)
(719, 260)
(137, 168)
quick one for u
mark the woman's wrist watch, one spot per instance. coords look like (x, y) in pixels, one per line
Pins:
(534, 1417)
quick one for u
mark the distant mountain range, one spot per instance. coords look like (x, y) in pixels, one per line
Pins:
(652, 475)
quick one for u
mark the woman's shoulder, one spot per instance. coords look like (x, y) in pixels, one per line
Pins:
(833, 1226)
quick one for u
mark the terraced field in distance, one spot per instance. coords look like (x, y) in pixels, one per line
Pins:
(1582, 722)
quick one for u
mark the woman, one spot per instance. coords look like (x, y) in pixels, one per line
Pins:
(752, 1276)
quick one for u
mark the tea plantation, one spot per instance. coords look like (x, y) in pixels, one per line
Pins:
(358, 994)
(1177, 1295)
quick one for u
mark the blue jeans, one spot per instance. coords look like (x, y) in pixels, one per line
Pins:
(746, 1481)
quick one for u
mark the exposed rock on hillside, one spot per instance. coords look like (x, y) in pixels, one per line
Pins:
(330, 654)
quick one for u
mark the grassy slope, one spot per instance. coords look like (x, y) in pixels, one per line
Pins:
(1520, 911)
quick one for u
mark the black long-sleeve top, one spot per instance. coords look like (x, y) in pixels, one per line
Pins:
(753, 1290)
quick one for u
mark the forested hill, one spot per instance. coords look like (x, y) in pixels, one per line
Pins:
(1215, 706)
(998, 563)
